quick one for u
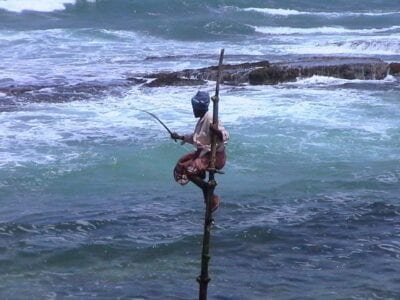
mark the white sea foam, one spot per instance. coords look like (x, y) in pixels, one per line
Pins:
(327, 81)
(61, 129)
(319, 80)
(42, 5)
(320, 30)
(388, 177)
(386, 45)
(69, 135)
(319, 110)
(275, 11)
(89, 54)
(290, 12)
(354, 45)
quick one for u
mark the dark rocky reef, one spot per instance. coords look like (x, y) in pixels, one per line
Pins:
(264, 72)
(64, 92)
(394, 69)
(254, 73)
(171, 79)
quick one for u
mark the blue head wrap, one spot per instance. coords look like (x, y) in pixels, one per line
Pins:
(200, 101)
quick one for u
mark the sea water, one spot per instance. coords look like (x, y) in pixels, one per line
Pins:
(89, 208)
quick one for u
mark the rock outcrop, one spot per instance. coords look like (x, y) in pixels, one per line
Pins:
(172, 79)
(394, 69)
(264, 72)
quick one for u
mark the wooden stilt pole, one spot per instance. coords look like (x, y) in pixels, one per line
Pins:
(203, 279)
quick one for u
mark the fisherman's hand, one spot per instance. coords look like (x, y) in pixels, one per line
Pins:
(214, 128)
(176, 136)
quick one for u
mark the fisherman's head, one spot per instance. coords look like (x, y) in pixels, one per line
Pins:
(200, 103)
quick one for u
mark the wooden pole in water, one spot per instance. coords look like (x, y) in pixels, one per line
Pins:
(203, 279)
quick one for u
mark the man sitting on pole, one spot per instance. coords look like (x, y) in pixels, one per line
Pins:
(193, 166)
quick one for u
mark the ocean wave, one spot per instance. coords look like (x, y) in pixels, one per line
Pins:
(374, 211)
(19, 6)
(291, 12)
(79, 226)
(65, 126)
(383, 45)
(333, 81)
(42, 6)
(320, 30)
(367, 46)
(275, 11)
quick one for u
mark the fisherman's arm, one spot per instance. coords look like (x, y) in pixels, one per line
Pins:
(187, 138)
(176, 136)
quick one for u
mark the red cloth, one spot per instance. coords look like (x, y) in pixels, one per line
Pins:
(193, 164)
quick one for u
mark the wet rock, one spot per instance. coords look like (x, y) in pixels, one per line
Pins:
(273, 75)
(232, 74)
(264, 72)
(346, 68)
(63, 93)
(394, 69)
(134, 80)
(18, 90)
(172, 79)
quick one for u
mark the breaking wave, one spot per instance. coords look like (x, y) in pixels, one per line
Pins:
(321, 30)
(317, 80)
(42, 6)
(291, 12)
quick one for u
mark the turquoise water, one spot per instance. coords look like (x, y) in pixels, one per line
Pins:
(310, 206)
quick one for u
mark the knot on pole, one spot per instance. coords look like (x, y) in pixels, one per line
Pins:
(215, 98)
(207, 257)
(214, 170)
(212, 183)
(203, 280)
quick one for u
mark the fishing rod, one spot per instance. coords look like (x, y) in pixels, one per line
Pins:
(158, 119)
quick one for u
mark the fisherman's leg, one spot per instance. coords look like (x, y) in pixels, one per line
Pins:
(201, 165)
(196, 172)
(203, 185)
(198, 181)
(194, 169)
(180, 170)
(220, 159)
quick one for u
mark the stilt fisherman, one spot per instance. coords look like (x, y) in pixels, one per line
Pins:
(193, 166)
